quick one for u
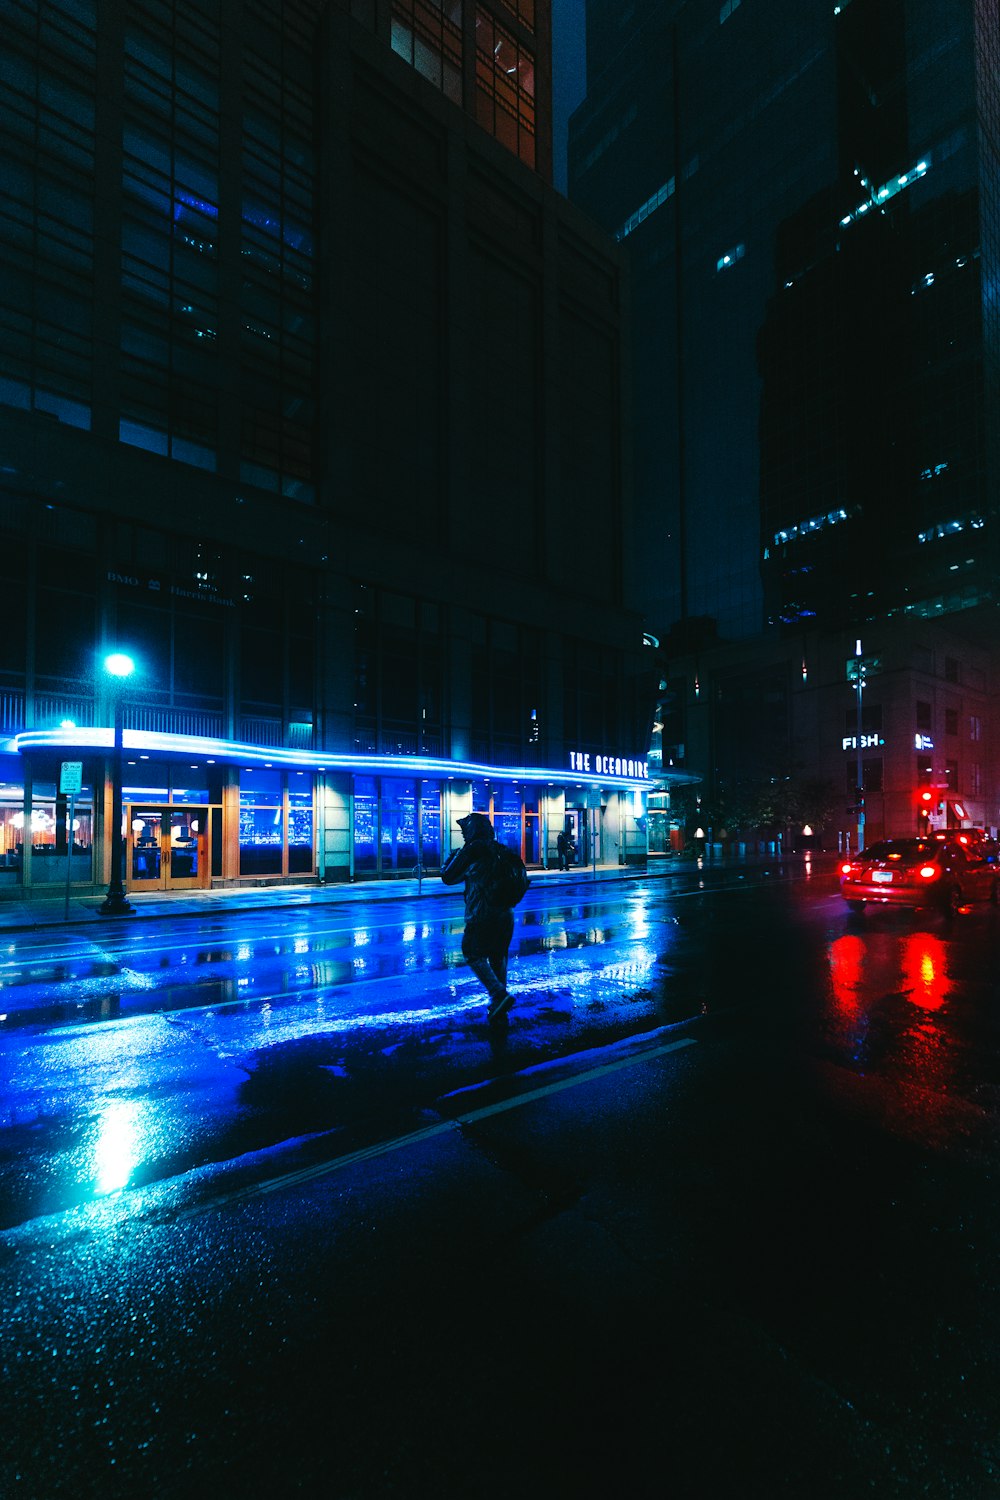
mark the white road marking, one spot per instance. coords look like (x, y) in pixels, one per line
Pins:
(428, 1133)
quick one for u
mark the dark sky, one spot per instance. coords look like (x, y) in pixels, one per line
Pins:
(568, 84)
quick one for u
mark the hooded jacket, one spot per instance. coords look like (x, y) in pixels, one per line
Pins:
(472, 861)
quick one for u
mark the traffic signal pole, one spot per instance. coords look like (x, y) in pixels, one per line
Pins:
(860, 784)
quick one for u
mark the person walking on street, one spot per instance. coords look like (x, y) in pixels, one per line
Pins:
(488, 927)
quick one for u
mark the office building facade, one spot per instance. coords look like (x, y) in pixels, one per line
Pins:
(813, 281)
(311, 404)
(808, 196)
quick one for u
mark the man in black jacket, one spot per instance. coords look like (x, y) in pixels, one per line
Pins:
(488, 927)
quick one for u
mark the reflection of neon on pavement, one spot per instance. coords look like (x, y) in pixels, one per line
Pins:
(116, 1152)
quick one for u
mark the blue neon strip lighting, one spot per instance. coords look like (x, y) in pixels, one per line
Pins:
(233, 753)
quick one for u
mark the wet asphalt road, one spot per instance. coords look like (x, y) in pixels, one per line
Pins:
(714, 1215)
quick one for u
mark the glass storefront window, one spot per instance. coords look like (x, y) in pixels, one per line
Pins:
(507, 826)
(430, 827)
(52, 839)
(260, 788)
(261, 832)
(146, 781)
(184, 785)
(398, 837)
(260, 841)
(365, 823)
(385, 825)
(190, 788)
(300, 823)
(507, 815)
(276, 823)
(11, 831)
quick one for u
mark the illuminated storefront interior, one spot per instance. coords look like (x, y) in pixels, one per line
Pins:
(199, 812)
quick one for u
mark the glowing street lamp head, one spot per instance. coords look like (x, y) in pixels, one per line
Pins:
(119, 665)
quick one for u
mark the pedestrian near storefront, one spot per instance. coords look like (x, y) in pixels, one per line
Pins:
(489, 927)
(565, 848)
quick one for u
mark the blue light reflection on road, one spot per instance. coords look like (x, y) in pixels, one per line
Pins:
(121, 1061)
(117, 1148)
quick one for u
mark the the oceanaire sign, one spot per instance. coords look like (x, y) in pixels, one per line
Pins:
(606, 765)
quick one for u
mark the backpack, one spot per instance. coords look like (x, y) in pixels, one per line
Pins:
(507, 879)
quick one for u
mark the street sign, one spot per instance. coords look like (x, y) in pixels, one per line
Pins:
(71, 778)
(70, 785)
(869, 666)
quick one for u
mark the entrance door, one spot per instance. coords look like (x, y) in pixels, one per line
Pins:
(167, 848)
(576, 826)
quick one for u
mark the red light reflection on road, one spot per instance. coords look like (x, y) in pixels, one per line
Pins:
(926, 1052)
(847, 955)
(925, 970)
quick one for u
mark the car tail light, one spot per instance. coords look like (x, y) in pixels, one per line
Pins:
(846, 869)
(929, 872)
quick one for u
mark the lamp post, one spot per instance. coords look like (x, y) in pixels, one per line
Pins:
(860, 765)
(119, 668)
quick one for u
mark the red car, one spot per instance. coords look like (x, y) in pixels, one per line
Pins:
(945, 870)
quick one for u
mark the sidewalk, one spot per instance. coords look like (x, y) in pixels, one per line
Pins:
(48, 911)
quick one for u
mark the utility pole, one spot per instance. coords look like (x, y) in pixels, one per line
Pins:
(860, 782)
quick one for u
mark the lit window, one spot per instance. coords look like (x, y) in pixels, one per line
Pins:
(730, 257)
(889, 190)
(644, 210)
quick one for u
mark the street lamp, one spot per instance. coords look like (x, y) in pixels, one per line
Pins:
(119, 668)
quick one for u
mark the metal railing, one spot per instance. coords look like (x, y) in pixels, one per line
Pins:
(173, 721)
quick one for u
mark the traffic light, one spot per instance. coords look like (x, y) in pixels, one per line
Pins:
(929, 801)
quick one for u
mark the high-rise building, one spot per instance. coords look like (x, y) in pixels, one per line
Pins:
(809, 195)
(808, 192)
(310, 403)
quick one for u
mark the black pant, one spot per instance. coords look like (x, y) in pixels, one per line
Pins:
(485, 946)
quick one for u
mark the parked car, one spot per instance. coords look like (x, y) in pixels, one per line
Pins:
(948, 871)
(973, 838)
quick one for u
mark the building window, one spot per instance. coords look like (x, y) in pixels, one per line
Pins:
(388, 811)
(975, 727)
(730, 257)
(427, 34)
(924, 719)
(871, 719)
(524, 10)
(951, 669)
(871, 775)
(951, 721)
(951, 774)
(50, 832)
(47, 211)
(276, 823)
(505, 87)
(976, 779)
(398, 674)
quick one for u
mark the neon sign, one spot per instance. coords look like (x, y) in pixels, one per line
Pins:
(607, 765)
